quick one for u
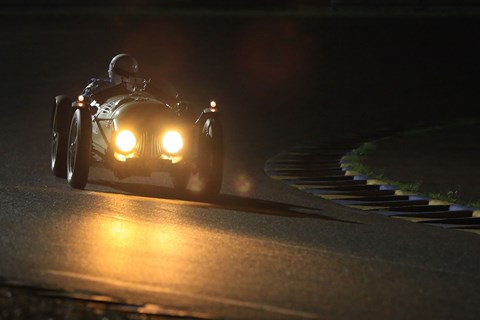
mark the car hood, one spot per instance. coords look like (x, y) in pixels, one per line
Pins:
(147, 115)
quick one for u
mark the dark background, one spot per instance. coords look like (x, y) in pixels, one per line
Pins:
(315, 77)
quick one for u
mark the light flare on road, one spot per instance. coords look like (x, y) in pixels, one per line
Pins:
(243, 185)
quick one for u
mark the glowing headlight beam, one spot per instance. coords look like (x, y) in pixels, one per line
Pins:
(125, 141)
(172, 142)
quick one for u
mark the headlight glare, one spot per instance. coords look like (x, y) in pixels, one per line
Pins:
(172, 142)
(125, 141)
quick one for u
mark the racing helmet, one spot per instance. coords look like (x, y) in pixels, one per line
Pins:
(122, 66)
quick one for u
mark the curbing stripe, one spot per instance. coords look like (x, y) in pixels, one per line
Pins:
(323, 171)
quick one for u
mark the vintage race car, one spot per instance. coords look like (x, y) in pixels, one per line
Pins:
(132, 132)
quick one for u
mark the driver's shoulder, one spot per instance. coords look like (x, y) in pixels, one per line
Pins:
(96, 85)
(96, 82)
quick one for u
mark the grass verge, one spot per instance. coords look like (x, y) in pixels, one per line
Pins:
(356, 161)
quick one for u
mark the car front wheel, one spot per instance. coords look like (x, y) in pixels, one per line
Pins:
(203, 176)
(79, 149)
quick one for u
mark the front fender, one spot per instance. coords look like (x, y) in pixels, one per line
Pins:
(206, 114)
(207, 133)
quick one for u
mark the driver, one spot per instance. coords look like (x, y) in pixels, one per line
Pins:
(122, 67)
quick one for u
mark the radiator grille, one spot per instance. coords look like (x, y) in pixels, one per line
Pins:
(148, 146)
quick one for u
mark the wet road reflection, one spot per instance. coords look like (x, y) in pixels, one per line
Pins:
(207, 256)
(117, 241)
(153, 246)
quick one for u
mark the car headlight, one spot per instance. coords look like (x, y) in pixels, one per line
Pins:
(125, 141)
(172, 142)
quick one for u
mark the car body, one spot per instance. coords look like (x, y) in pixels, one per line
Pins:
(131, 131)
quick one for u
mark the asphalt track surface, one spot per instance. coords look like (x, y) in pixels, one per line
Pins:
(263, 249)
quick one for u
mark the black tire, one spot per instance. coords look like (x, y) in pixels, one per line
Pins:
(61, 115)
(203, 176)
(79, 149)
